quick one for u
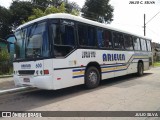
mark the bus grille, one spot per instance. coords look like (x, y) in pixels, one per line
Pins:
(26, 72)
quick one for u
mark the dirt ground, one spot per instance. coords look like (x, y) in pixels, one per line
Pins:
(6, 83)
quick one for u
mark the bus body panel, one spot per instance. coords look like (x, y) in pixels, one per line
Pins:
(31, 74)
(70, 71)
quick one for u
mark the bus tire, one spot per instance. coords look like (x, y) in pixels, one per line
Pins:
(140, 69)
(92, 77)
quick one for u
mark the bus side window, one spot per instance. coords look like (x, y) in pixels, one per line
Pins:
(107, 39)
(82, 34)
(91, 36)
(100, 38)
(63, 36)
(128, 42)
(121, 41)
(148, 45)
(67, 35)
(86, 35)
(136, 43)
(115, 40)
(118, 40)
(144, 45)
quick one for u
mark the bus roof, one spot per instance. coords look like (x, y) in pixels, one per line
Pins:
(79, 19)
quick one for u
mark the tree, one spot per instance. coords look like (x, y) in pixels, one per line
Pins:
(52, 9)
(39, 13)
(20, 11)
(42, 3)
(98, 10)
(71, 7)
(36, 14)
(47, 3)
(5, 27)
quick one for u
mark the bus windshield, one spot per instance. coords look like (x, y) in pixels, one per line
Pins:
(32, 42)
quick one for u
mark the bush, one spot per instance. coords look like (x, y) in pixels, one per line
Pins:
(4, 55)
(4, 61)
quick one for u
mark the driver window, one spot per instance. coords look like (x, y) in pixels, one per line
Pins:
(63, 37)
(67, 35)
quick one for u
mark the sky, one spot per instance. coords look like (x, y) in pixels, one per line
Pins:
(129, 17)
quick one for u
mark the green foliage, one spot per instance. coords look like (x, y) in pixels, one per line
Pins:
(72, 8)
(36, 14)
(4, 61)
(75, 12)
(156, 64)
(4, 55)
(49, 10)
(39, 13)
(21, 11)
(53, 9)
(5, 17)
(98, 10)
(46, 3)
(41, 3)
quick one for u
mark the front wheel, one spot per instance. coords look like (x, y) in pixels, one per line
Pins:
(140, 69)
(92, 77)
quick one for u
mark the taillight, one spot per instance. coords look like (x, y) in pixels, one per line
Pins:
(46, 72)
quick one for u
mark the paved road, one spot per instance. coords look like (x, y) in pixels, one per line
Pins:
(127, 93)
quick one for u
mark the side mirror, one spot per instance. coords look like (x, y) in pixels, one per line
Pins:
(11, 39)
(12, 48)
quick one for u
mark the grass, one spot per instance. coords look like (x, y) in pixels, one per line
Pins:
(156, 64)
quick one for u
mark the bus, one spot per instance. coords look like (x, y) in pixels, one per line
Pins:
(61, 50)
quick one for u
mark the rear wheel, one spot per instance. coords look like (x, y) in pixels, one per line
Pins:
(92, 77)
(140, 69)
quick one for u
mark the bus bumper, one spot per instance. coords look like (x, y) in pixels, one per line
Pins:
(42, 82)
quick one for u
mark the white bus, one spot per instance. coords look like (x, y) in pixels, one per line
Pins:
(61, 50)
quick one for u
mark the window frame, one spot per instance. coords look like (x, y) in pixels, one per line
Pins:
(150, 45)
(142, 39)
(118, 33)
(78, 41)
(131, 41)
(30, 25)
(59, 23)
(111, 39)
(74, 26)
(139, 43)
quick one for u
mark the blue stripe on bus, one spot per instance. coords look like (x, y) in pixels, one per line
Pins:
(78, 76)
(111, 65)
(76, 70)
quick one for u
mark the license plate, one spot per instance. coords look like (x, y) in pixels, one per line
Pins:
(26, 80)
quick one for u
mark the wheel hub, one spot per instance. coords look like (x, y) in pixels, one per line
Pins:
(93, 77)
